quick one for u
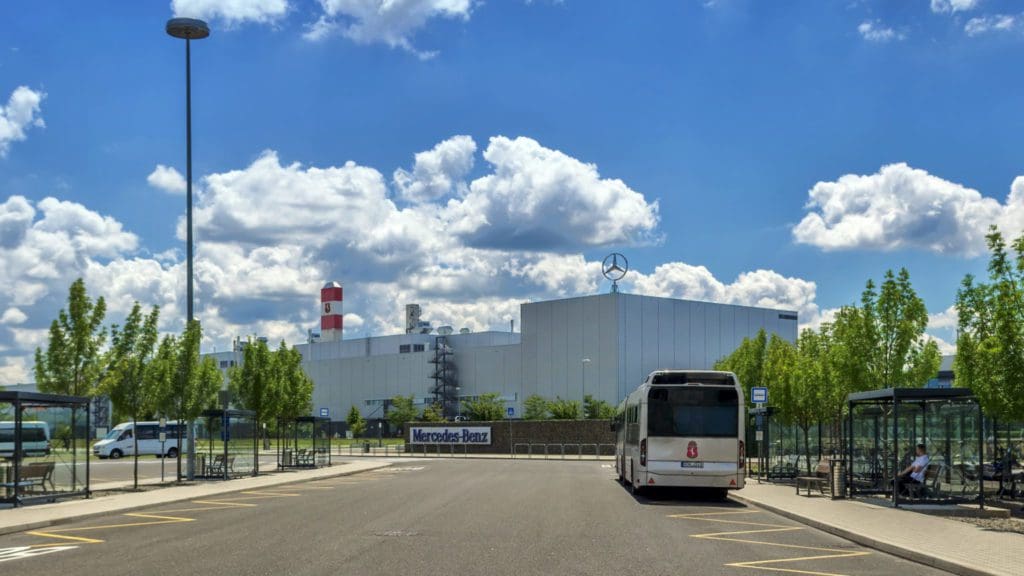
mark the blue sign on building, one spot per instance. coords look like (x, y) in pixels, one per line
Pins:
(325, 412)
(511, 411)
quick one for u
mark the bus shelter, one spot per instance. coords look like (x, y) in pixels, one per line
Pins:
(227, 445)
(44, 447)
(303, 442)
(885, 428)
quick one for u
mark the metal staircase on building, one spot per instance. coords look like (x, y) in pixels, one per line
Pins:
(446, 388)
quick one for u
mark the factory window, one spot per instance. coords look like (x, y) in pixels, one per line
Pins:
(403, 349)
(417, 347)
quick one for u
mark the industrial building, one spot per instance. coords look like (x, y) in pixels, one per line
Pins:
(602, 345)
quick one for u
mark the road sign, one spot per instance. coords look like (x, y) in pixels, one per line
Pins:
(759, 420)
(325, 412)
(511, 411)
(759, 435)
(759, 395)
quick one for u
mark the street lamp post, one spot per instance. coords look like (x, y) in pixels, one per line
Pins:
(188, 29)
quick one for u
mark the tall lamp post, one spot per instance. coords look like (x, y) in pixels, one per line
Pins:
(188, 29)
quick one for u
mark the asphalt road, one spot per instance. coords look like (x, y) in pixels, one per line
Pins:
(446, 517)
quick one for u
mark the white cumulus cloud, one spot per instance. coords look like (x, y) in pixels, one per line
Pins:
(20, 114)
(877, 32)
(438, 171)
(13, 316)
(901, 207)
(384, 21)
(167, 179)
(952, 6)
(764, 288)
(537, 196)
(993, 23)
(231, 11)
(948, 318)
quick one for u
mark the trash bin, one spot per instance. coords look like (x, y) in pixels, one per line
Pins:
(837, 472)
(366, 447)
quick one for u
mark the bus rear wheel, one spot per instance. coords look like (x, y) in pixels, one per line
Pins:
(172, 453)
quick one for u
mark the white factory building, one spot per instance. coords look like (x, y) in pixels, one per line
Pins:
(603, 345)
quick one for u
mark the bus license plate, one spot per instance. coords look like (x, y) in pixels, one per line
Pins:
(693, 464)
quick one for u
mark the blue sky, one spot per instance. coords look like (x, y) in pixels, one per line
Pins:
(471, 155)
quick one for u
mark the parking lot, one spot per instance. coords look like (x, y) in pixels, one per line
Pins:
(449, 517)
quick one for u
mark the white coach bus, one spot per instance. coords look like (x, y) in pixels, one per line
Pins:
(682, 428)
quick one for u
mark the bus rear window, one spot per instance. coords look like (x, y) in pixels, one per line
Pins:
(693, 411)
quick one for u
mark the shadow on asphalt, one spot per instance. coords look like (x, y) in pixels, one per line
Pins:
(665, 496)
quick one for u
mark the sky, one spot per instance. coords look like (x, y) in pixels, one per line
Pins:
(470, 156)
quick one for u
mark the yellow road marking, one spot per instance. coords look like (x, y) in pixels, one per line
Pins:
(830, 554)
(760, 564)
(157, 519)
(62, 537)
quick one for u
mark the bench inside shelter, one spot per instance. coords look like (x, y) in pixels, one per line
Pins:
(820, 480)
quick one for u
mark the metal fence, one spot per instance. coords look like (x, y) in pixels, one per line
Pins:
(528, 451)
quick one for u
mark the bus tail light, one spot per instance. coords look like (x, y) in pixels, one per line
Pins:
(741, 459)
(643, 452)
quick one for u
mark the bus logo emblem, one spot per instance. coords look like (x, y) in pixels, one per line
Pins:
(691, 449)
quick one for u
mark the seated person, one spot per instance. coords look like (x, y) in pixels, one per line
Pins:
(914, 474)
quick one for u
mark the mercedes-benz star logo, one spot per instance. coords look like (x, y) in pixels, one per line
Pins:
(611, 267)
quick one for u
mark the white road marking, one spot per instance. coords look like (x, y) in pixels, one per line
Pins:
(20, 552)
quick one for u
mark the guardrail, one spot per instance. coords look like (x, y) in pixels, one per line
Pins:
(563, 451)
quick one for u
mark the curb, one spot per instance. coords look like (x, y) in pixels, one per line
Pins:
(864, 540)
(229, 489)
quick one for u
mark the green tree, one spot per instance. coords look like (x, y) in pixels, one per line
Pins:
(797, 376)
(433, 413)
(564, 409)
(594, 409)
(881, 343)
(747, 362)
(485, 407)
(402, 411)
(990, 342)
(356, 422)
(132, 347)
(296, 398)
(255, 385)
(191, 385)
(72, 363)
(536, 407)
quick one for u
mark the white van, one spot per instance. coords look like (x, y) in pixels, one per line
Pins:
(120, 441)
(35, 438)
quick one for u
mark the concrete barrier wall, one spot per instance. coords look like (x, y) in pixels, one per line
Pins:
(587, 432)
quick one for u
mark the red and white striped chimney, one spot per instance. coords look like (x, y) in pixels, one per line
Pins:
(331, 299)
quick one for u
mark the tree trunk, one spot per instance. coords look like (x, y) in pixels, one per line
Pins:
(807, 447)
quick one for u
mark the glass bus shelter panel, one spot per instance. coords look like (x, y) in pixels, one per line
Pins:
(43, 449)
(788, 454)
(886, 426)
(871, 466)
(304, 442)
(227, 445)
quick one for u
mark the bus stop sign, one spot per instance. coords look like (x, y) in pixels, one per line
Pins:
(759, 395)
